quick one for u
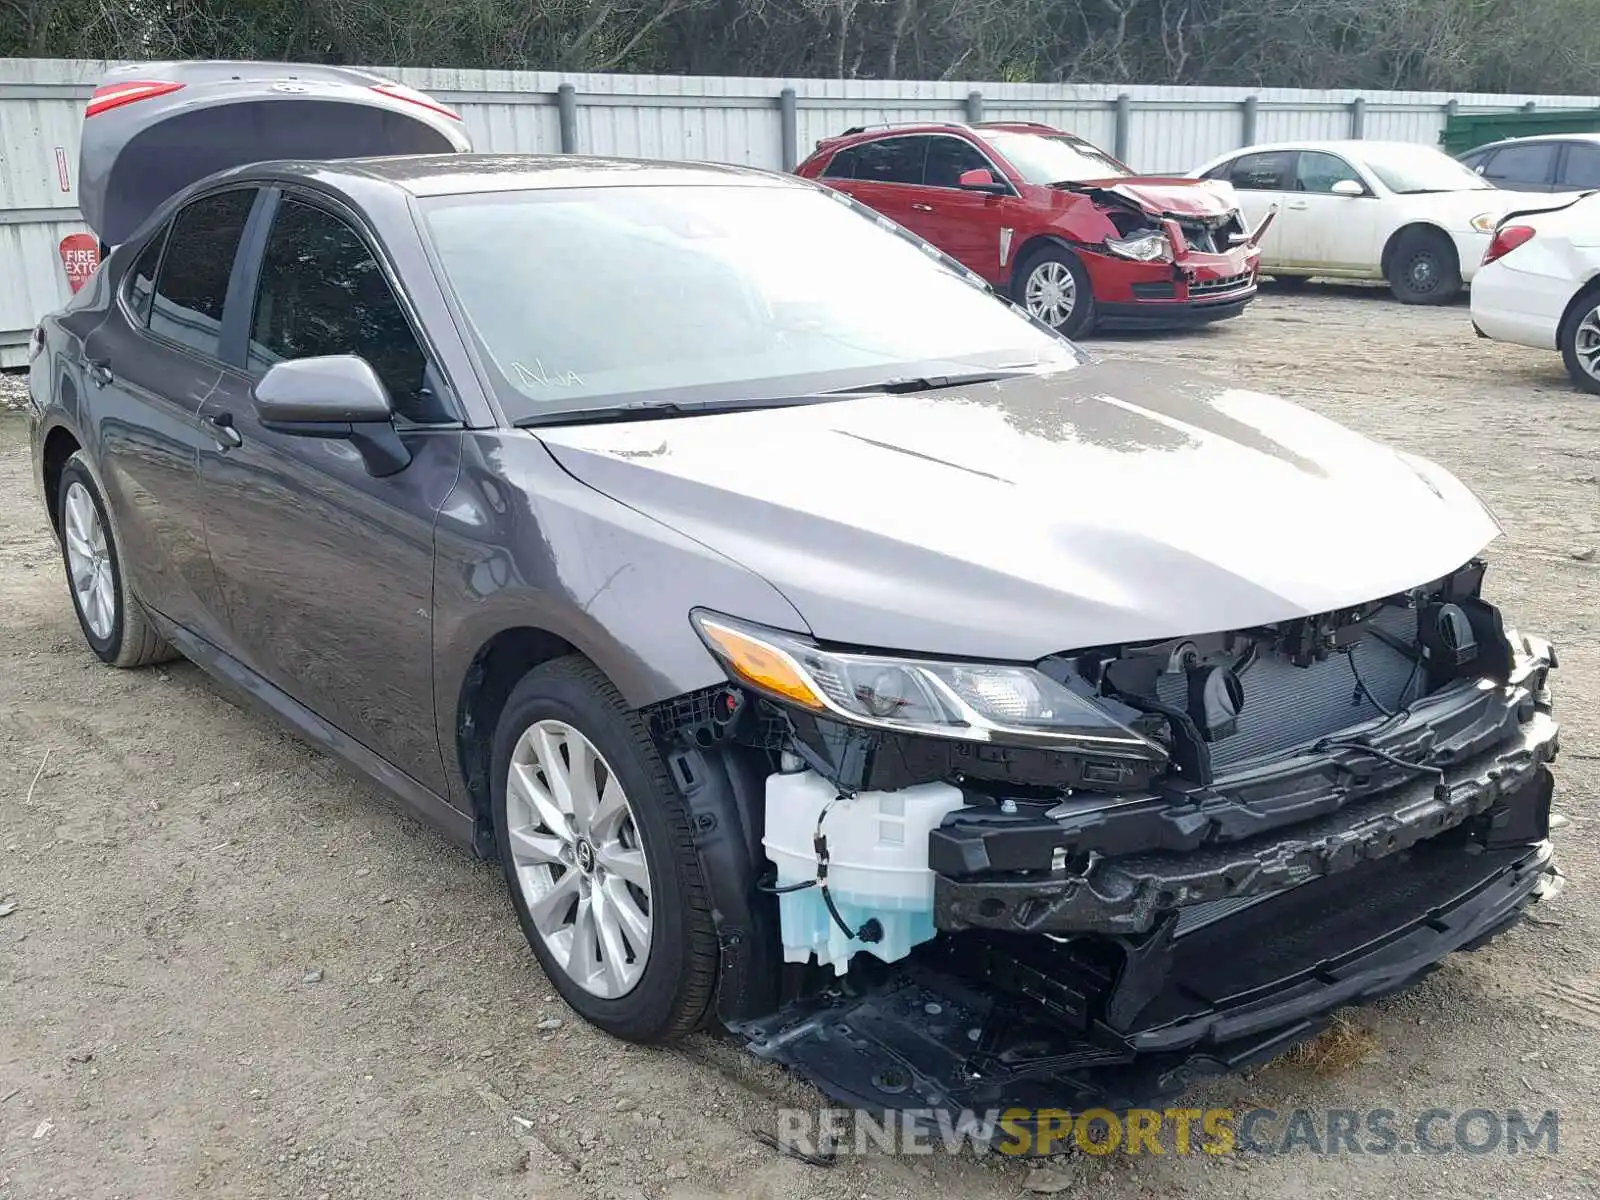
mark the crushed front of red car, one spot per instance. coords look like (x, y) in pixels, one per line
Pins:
(1181, 253)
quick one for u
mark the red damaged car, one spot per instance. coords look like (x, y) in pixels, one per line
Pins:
(1061, 226)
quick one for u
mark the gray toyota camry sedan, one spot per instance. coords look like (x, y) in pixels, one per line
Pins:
(822, 646)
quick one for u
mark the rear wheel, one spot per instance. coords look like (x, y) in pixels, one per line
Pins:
(1053, 286)
(1425, 268)
(113, 623)
(596, 847)
(1579, 339)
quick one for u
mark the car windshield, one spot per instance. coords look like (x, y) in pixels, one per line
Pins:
(1408, 170)
(1044, 159)
(589, 298)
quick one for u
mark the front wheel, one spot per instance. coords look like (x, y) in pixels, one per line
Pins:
(1053, 286)
(1579, 339)
(1425, 268)
(596, 847)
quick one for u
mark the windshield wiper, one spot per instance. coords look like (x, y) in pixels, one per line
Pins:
(655, 410)
(933, 383)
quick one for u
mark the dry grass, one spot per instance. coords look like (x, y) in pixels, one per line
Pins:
(1334, 1051)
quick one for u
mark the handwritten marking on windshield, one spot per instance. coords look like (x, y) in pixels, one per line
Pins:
(538, 376)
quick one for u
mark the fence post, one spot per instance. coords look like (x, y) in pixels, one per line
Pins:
(1358, 118)
(788, 121)
(1120, 138)
(1247, 120)
(567, 115)
(1451, 107)
(974, 108)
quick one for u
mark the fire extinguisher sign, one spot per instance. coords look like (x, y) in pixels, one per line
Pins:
(80, 255)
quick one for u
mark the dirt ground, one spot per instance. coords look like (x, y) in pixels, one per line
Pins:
(231, 970)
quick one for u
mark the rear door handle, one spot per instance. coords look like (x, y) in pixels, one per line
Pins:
(1297, 204)
(222, 428)
(99, 371)
(922, 208)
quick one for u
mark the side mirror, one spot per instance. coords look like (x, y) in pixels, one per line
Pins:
(981, 179)
(1348, 187)
(335, 396)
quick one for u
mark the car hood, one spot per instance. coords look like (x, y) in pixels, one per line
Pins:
(1164, 197)
(1109, 503)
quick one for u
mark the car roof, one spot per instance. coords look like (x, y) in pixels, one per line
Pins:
(1537, 137)
(1332, 145)
(867, 133)
(461, 174)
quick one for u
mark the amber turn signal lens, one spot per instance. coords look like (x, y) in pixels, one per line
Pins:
(761, 665)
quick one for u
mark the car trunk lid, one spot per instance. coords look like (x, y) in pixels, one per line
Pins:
(152, 129)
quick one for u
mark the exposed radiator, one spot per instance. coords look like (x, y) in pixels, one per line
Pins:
(1285, 705)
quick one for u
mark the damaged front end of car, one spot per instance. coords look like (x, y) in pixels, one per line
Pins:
(1179, 251)
(963, 886)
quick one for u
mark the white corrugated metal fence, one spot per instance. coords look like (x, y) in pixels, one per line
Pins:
(758, 122)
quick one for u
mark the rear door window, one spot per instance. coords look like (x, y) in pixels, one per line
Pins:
(142, 279)
(193, 284)
(843, 164)
(1269, 171)
(891, 160)
(1581, 170)
(1532, 163)
(322, 292)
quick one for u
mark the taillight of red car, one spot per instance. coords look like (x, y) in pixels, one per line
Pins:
(1506, 239)
(115, 95)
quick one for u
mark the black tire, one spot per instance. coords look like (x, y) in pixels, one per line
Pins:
(675, 991)
(1425, 268)
(1080, 321)
(1587, 305)
(1291, 283)
(132, 640)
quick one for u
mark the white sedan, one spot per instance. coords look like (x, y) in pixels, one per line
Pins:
(1356, 209)
(1540, 285)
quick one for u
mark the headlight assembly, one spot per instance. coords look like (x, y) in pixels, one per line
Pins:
(1150, 245)
(975, 702)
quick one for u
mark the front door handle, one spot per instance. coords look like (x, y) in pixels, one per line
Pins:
(222, 428)
(99, 371)
(1297, 204)
(922, 208)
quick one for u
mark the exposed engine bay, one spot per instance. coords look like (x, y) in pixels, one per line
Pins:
(1214, 233)
(1218, 840)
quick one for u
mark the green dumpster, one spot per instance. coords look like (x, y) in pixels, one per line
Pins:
(1465, 131)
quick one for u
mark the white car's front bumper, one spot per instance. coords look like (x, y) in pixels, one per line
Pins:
(1471, 246)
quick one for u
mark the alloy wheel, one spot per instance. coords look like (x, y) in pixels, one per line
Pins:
(89, 562)
(1052, 293)
(1586, 343)
(578, 859)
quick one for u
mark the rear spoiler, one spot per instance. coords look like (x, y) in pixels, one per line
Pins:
(1553, 208)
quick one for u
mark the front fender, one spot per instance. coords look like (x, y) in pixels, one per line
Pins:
(521, 544)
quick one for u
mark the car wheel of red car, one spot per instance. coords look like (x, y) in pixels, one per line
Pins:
(1054, 287)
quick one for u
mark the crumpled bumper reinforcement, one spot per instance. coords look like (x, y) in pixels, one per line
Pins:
(1129, 894)
(970, 1026)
